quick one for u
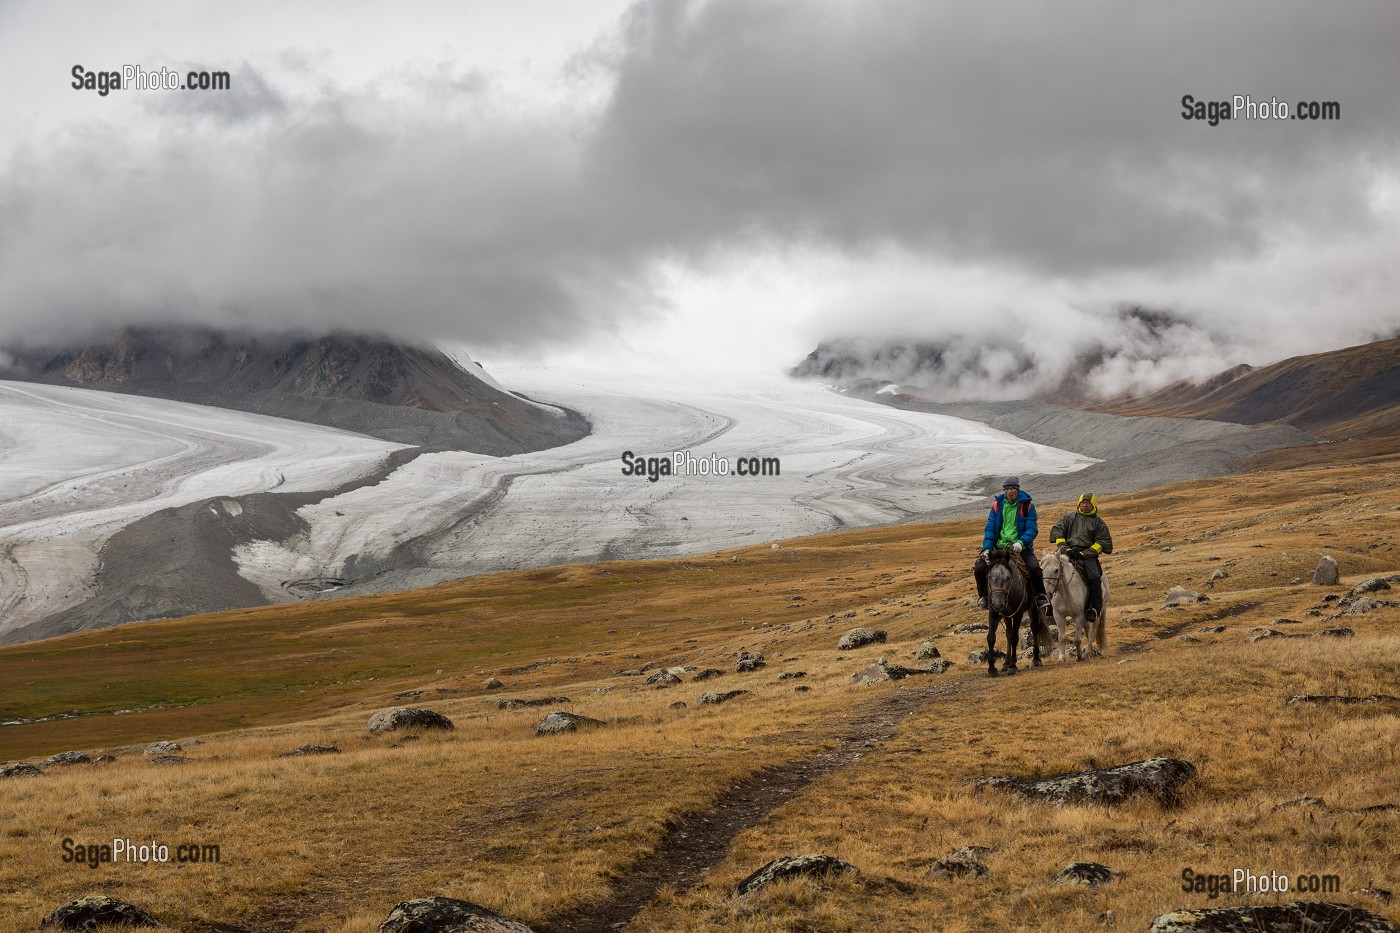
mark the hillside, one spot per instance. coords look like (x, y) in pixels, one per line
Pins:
(370, 386)
(651, 818)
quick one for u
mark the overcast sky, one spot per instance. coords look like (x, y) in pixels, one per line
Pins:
(725, 183)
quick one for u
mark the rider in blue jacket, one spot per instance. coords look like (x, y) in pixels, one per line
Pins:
(1011, 524)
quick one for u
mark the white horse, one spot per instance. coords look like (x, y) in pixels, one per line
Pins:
(1068, 594)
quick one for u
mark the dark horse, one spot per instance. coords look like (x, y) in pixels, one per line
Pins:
(1008, 599)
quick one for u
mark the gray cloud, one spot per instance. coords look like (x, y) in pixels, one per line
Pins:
(1044, 147)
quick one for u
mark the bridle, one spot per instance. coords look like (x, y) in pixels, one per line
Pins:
(1061, 577)
(1005, 590)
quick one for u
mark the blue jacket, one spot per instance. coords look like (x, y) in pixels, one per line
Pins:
(1025, 520)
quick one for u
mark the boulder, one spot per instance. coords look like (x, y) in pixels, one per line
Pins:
(708, 673)
(860, 637)
(1325, 574)
(1339, 632)
(969, 628)
(162, 748)
(749, 661)
(68, 758)
(1373, 585)
(794, 866)
(1159, 778)
(1264, 635)
(447, 915)
(20, 769)
(96, 910)
(1273, 918)
(663, 678)
(723, 697)
(560, 721)
(311, 750)
(980, 656)
(1088, 874)
(883, 670)
(1181, 596)
(962, 863)
(407, 717)
(492, 683)
(928, 651)
(1363, 605)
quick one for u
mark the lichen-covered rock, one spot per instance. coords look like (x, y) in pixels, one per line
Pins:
(860, 637)
(97, 910)
(69, 758)
(560, 721)
(1344, 700)
(1372, 585)
(168, 759)
(708, 697)
(980, 656)
(407, 717)
(492, 683)
(311, 750)
(447, 915)
(1274, 918)
(708, 674)
(1189, 638)
(1363, 605)
(883, 670)
(162, 748)
(1181, 596)
(939, 665)
(1088, 874)
(749, 661)
(962, 863)
(1264, 635)
(679, 704)
(928, 651)
(1213, 629)
(791, 675)
(662, 678)
(1325, 573)
(1159, 778)
(517, 703)
(969, 628)
(794, 866)
(1340, 631)
(20, 769)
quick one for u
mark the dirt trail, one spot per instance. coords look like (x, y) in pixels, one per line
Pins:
(698, 841)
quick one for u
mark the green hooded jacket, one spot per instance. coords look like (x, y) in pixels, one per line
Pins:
(1088, 532)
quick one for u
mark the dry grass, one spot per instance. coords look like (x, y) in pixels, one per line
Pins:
(532, 826)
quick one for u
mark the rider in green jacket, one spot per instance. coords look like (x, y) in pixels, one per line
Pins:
(1084, 536)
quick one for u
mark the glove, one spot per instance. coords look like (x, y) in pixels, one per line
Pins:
(986, 554)
(1016, 547)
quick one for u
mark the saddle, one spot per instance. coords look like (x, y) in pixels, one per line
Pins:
(1012, 557)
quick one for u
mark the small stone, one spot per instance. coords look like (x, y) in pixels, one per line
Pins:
(969, 628)
(708, 673)
(169, 760)
(927, 652)
(749, 661)
(492, 683)
(1213, 629)
(679, 704)
(663, 678)
(1326, 574)
(95, 910)
(1340, 631)
(560, 721)
(1264, 635)
(1089, 874)
(793, 866)
(447, 915)
(1188, 638)
(1180, 596)
(311, 750)
(20, 769)
(980, 656)
(801, 688)
(407, 717)
(792, 675)
(962, 863)
(711, 698)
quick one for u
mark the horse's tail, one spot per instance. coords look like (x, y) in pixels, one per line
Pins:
(1041, 630)
(1103, 631)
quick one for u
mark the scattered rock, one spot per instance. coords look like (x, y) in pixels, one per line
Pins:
(162, 748)
(516, 703)
(928, 651)
(1089, 874)
(311, 750)
(1213, 629)
(663, 678)
(1363, 605)
(801, 688)
(407, 717)
(1284, 622)
(860, 637)
(1274, 918)
(602, 690)
(492, 683)
(1373, 585)
(791, 675)
(447, 915)
(1324, 698)
(85, 913)
(980, 657)
(794, 866)
(1339, 632)
(679, 704)
(962, 863)
(749, 661)
(20, 769)
(1188, 638)
(969, 628)
(1159, 778)
(882, 670)
(169, 760)
(560, 721)
(1301, 802)
(1180, 596)
(708, 673)
(1218, 575)
(939, 665)
(723, 697)
(68, 758)
(104, 759)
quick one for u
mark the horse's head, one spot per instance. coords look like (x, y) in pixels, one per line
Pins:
(1052, 570)
(999, 580)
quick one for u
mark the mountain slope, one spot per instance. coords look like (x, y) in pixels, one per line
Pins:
(403, 394)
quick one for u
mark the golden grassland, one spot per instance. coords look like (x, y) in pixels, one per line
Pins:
(533, 826)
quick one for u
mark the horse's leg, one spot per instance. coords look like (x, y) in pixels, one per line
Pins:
(1013, 637)
(1037, 626)
(991, 644)
(1078, 637)
(1060, 651)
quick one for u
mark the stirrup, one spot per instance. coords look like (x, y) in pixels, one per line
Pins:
(981, 602)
